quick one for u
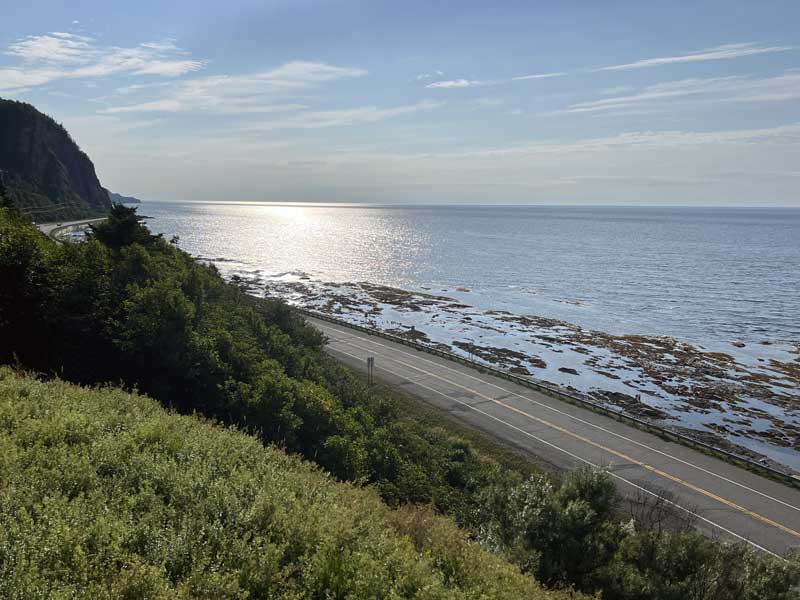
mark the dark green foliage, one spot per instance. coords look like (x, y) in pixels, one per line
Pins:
(5, 199)
(566, 533)
(570, 533)
(121, 228)
(106, 495)
(130, 307)
(47, 177)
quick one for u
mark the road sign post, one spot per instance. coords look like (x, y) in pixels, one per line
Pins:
(370, 368)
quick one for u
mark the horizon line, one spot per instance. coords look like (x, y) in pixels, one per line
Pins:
(316, 204)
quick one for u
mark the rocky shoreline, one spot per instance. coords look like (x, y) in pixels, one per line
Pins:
(749, 405)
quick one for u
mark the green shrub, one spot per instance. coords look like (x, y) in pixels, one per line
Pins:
(103, 494)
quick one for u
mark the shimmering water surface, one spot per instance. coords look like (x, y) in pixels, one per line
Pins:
(707, 276)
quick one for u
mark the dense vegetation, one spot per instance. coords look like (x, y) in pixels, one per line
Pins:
(106, 495)
(45, 174)
(129, 307)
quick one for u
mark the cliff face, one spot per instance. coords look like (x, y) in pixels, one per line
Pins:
(46, 174)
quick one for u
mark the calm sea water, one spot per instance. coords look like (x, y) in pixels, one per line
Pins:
(708, 276)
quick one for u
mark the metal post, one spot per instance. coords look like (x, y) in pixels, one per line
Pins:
(370, 368)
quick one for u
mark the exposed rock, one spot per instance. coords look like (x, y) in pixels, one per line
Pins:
(688, 377)
(46, 174)
(411, 333)
(503, 356)
(630, 405)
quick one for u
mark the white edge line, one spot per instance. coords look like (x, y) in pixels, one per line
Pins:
(457, 385)
(575, 456)
(619, 435)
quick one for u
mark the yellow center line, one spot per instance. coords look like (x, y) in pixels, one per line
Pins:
(651, 468)
(580, 459)
(568, 415)
(621, 455)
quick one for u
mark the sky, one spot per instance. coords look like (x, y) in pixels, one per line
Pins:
(506, 102)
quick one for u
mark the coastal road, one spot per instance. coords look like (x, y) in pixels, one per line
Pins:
(50, 229)
(724, 501)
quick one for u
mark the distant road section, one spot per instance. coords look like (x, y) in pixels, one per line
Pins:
(52, 229)
(725, 500)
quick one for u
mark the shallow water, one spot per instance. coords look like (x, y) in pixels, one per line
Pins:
(709, 277)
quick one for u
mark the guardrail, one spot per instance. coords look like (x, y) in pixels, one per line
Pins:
(57, 233)
(574, 399)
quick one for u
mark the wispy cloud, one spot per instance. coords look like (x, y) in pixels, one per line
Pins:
(788, 134)
(336, 118)
(615, 91)
(737, 88)
(59, 55)
(771, 89)
(56, 47)
(424, 76)
(298, 73)
(655, 93)
(724, 52)
(536, 76)
(249, 93)
(137, 87)
(458, 83)
(108, 125)
(471, 83)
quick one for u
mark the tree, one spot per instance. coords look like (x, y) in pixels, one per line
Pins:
(5, 199)
(121, 228)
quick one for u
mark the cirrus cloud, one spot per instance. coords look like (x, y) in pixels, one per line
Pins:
(724, 52)
(471, 83)
(60, 55)
(248, 93)
(458, 83)
(340, 117)
(735, 88)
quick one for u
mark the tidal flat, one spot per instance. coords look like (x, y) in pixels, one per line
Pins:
(743, 400)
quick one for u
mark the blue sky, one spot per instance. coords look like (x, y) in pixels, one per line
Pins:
(482, 102)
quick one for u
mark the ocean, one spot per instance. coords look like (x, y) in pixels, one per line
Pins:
(700, 280)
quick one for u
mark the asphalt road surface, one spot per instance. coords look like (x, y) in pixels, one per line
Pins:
(50, 228)
(723, 500)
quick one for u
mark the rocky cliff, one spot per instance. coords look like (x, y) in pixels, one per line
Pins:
(45, 174)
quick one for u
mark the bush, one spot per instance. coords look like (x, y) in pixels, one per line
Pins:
(129, 307)
(106, 495)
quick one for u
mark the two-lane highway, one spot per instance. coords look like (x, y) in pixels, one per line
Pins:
(726, 501)
(51, 229)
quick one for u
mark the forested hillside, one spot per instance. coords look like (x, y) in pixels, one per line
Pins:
(45, 174)
(129, 307)
(106, 495)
